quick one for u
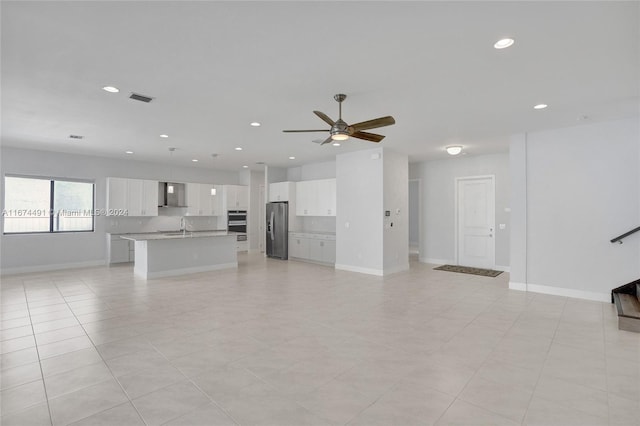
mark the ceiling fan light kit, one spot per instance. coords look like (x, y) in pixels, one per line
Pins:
(341, 131)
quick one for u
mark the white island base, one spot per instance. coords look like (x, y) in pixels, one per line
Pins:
(165, 257)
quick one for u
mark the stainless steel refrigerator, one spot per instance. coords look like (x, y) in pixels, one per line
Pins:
(278, 230)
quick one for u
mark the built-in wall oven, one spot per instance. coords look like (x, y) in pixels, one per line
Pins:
(237, 222)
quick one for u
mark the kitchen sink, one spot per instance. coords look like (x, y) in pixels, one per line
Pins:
(176, 234)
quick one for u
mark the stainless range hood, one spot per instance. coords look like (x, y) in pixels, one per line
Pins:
(171, 194)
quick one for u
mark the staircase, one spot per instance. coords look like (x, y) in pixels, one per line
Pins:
(627, 300)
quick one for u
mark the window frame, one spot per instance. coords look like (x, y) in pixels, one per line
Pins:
(52, 181)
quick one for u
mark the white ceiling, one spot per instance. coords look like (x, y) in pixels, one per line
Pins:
(214, 67)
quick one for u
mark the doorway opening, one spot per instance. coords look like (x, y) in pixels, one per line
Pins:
(414, 217)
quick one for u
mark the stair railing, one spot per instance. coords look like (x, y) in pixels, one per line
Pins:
(619, 238)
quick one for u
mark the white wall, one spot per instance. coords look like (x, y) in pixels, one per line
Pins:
(359, 219)
(414, 213)
(256, 180)
(396, 201)
(325, 170)
(582, 188)
(437, 236)
(50, 251)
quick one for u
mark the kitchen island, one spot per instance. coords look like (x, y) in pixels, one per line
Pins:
(177, 253)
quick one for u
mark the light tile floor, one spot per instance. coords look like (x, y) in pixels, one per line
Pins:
(290, 343)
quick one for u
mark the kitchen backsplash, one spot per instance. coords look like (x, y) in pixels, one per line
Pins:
(315, 224)
(127, 225)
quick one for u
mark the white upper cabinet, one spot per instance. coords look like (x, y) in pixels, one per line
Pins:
(132, 197)
(204, 199)
(236, 197)
(282, 191)
(316, 198)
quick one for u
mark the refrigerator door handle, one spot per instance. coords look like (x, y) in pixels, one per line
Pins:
(271, 225)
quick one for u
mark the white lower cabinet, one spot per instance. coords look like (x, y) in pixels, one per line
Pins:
(314, 247)
(121, 251)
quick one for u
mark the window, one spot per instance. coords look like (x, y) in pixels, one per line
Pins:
(47, 205)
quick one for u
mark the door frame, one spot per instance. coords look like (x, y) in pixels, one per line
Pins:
(420, 224)
(457, 215)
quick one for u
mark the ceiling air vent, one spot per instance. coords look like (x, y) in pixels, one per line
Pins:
(141, 98)
(75, 137)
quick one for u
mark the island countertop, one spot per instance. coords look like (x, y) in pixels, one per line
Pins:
(177, 235)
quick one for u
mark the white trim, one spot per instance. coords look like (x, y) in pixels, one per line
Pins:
(396, 269)
(456, 215)
(517, 286)
(360, 270)
(52, 267)
(501, 268)
(185, 271)
(561, 291)
(436, 261)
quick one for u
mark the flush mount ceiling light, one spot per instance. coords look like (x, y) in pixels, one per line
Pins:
(238, 148)
(292, 158)
(454, 149)
(540, 106)
(128, 152)
(195, 160)
(504, 43)
(245, 167)
(164, 136)
(255, 124)
(110, 89)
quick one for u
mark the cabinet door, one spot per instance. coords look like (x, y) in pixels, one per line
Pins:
(206, 200)
(303, 196)
(193, 199)
(216, 200)
(116, 196)
(150, 198)
(230, 197)
(242, 200)
(134, 197)
(315, 249)
(275, 192)
(119, 251)
(329, 251)
(329, 197)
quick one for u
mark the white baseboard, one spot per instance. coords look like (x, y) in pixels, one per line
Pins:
(501, 268)
(52, 267)
(194, 270)
(517, 286)
(561, 291)
(358, 269)
(436, 261)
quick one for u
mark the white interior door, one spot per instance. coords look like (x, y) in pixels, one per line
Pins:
(476, 222)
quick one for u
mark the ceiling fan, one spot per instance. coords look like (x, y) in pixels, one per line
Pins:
(341, 131)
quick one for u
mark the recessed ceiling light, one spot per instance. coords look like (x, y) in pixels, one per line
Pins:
(238, 148)
(336, 144)
(164, 136)
(255, 124)
(128, 152)
(454, 150)
(111, 89)
(540, 106)
(195, 160)
(245, 167)
(292, 158)
(504, 43)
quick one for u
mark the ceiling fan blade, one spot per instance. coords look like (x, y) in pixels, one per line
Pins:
(327, 140)
(371, 137)
(304, 131)
(324, 118)
(375, 123)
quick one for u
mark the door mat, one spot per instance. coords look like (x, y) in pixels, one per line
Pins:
(468, 270)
